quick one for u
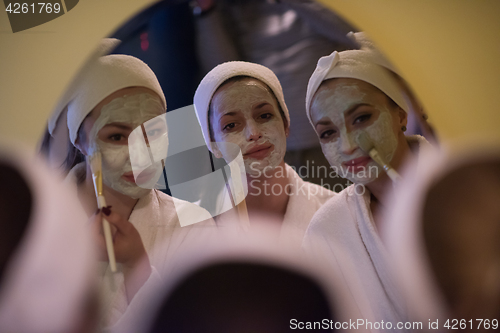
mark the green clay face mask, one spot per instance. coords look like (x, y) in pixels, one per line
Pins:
(344, 148)
(242, 98)
(117, 168)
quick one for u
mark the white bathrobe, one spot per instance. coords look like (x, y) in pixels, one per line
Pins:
(305, 199)
(156, 219)
(345, 225)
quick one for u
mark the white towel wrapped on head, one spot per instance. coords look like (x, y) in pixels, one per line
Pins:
(355, 64)
(107, 75)
(221, 73)
(372, 51)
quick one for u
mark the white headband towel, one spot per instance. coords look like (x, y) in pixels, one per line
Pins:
(105, 46)
(48, 279)
(107, 75)
(366, 44)
(355, 64)
(223, 72)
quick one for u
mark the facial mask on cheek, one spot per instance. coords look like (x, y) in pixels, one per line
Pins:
(272, 132)
(115, 163)
(384, 141)
(132, 110)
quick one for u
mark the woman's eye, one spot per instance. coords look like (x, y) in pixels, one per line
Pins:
(153, 133)
(116, 137)
(327, 134)
(229, 126)
(361, 119)
(266, 116)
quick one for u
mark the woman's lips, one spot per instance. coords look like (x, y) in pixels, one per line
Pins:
(129, 176)
(357, 163)
(259, 152)
(143, 177)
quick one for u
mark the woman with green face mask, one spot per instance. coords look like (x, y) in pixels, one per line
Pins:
(241, 108)
(115, 98)
(356, 107)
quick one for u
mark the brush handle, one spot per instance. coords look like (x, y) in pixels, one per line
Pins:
(393, 175)
(101, 202)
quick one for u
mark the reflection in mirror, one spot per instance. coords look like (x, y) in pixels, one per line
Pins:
(180, 42)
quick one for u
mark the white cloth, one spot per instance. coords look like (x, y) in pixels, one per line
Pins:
(346, 226)
(304, 200)
(50, 275)
(155, 216)
(219, 75)
(372, 51)
(355, 64)
(256, 246)
(402, 232)
(102, 78)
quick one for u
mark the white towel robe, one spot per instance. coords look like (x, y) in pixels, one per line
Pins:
(305, 199)
(156, 219)
(345, 225)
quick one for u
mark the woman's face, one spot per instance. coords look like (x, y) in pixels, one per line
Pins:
(246, 113)
(344, 108)
(108, 130)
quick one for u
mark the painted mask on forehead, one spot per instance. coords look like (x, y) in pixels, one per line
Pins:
(264, 124)
(344, 146)
(133, 111)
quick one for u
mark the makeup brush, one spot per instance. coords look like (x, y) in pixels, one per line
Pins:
(366, 145)
(96, 167)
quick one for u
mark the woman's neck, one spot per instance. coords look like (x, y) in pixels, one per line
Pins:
(267, 193)
(121, 203)
(380, 187)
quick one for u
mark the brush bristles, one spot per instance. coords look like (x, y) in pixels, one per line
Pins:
(95, 162)
(365, 143)
(96, 168)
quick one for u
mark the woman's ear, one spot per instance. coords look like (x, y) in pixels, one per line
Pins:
(81, 140)
(403, 117)
(215, 150)
(287, 131)
(80, 148)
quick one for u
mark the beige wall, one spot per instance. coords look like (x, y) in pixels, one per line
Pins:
(448, 50)
(38, 63)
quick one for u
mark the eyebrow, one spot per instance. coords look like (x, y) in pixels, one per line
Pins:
(323, 121)
(121, 126)
(230, 113)
(261, 104)
(154, 121)
(354, 108)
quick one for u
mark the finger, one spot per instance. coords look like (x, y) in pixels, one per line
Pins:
(122, 225)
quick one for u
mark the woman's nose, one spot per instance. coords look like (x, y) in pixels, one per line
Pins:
(347, 144)
(253, 131)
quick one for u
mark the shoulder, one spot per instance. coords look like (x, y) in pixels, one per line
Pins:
(190, 213)
(313, 191)
(335, 209)
(173, 209)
